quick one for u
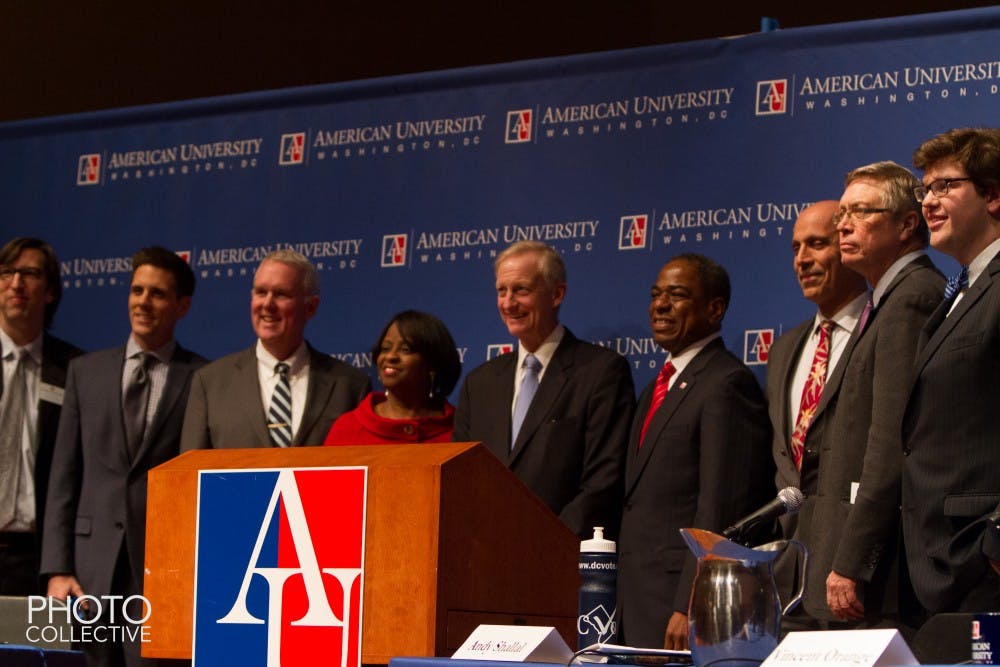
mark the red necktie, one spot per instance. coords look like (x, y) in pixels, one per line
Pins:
(811, 393)
(659, 393)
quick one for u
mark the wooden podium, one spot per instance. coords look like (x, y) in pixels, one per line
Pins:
(453, 539)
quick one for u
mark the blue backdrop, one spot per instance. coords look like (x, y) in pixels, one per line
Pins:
(402, 190)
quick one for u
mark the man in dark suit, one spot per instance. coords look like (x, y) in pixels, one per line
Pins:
(697, 459)
(30, 291)
(280, 392)
(951, 464)
(567, 443)
(801, 379)
(121, 416)
(855, 551)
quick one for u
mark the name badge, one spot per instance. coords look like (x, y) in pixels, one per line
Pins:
(50, 393)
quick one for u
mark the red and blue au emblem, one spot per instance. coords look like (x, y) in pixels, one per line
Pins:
(280, 566)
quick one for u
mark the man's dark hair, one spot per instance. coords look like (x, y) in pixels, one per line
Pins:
(170, 261)
(712, 276)
(13, 249)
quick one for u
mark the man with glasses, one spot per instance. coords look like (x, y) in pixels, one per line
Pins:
(883, 237)
(31, 388)
(951, 465)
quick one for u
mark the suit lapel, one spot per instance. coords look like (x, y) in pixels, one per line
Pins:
(785, 387)
(944, 323)
(683, 386)
(177, 379)
(555, 377)
(499, 440)
(246, 393)
(317, 395)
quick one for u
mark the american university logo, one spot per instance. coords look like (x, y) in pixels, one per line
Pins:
(88, 170)
(280, 567)
(632, 232)
(394, 249)
(757, 346)
(772, 97)
(518, 127)
(292, 148)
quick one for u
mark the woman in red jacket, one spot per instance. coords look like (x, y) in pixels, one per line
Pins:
(418, 365)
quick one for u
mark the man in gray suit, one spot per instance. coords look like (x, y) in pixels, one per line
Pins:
(280, 392)
(951, 468)
(121, 416)
(30, 290)
(883, 237)
(805, 355)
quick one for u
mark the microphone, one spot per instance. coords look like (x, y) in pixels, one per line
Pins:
(789, 501)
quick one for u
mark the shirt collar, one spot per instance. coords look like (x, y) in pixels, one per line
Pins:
(34, 348)
(982, 260)
(163, 353)
(847, 317)
(295, 362)
(680, 361)
(546, 350)
(883, 283)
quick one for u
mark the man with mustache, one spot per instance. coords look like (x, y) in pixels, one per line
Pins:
(801, 381)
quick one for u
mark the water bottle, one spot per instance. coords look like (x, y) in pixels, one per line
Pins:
(596, 622)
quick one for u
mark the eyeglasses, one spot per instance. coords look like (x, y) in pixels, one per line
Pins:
(859, 213)
(939, 187)
(27, 273)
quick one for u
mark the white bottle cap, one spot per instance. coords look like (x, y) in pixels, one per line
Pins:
(598, 543)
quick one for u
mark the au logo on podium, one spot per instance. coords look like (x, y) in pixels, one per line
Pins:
(280, 566)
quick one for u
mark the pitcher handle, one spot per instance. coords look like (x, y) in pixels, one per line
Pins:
(802, 578)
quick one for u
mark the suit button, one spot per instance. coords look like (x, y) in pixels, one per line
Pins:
(119, 525)
(906, 451)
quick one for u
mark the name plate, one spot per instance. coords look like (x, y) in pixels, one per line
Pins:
(857, 648)
(514, 643)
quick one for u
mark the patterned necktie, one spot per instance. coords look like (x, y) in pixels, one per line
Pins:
(811, 393)
(529, 385)
(659, 393)
(279, 415)
(956, 283)
(135, 404)
(11, 425)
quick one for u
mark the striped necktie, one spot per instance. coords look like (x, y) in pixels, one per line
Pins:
(279, 416)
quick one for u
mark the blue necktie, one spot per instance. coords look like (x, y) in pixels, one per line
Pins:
(529, 385)
(956, 283)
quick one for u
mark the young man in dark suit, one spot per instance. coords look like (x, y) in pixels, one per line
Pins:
(951, 464)
(121, 416)
(30, 290)
(698, 454)
(557, 410)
